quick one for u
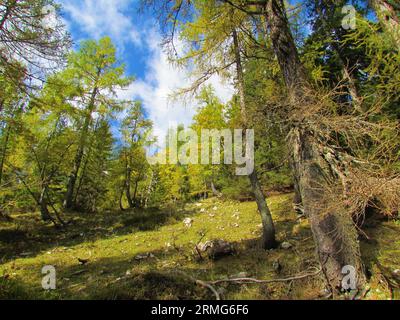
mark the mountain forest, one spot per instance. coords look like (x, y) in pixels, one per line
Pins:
(87, 213)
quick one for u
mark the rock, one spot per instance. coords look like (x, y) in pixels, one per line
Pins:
(397, 273)
(235, 225)
(211, 215)
(83, 261)
(215, 208)
(240, 275)
(217, 249)
(144, 256)
(277, 266)
(286, 245)
(203, 210)
(188, 222)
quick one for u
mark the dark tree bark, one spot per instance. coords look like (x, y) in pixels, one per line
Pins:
(269, 240)
(334, 232)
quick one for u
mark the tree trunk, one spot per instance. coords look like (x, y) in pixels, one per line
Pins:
(134, 200)
(69, 198)
(269, 241)
(4, 153)
(214, 189)
(128, 185)
(44, 211)
(334, 232)
(333, 229)
(149, 190)
(121, 195)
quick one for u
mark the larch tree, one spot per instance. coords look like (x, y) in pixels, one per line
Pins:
(135, 130)
(94, 73)
(32, 33)
(211, 49)
(333, 228)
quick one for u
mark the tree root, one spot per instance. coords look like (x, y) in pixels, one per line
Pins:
(252, 280)
(240, 281)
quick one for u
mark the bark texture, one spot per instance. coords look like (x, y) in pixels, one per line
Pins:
(333, 230)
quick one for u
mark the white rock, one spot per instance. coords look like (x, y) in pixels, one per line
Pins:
(188, 222)
(286, 245)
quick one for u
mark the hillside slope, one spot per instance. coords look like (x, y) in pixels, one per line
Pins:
(151, 255)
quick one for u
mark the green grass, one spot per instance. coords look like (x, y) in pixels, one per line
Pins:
(112, 241)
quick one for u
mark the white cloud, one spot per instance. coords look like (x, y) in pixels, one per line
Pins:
(100, 17)
(161, 81)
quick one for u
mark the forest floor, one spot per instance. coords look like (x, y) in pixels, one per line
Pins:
(151, 255)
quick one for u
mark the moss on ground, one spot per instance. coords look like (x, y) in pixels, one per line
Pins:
(136, 255)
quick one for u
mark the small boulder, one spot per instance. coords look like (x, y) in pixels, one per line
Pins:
(286, 245)
(188, 222)
(277, 266)
(217, 249)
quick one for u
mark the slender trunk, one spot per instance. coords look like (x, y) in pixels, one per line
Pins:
(269, 240)
(4, 153)
(134, 200)
(348, 76)
(333, 231)
(44, 211)
(128, 187)
(121, 195)
(149, 190)
(69, 198)
(81, 179)
(214, 189)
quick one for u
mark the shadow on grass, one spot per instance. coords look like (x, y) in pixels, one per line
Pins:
(164, 275)
(27, 236)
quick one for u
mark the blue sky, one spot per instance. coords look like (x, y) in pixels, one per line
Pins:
(136, 35)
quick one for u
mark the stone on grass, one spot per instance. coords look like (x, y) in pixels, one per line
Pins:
(188, 222)
(286, 245)
(217, 249)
